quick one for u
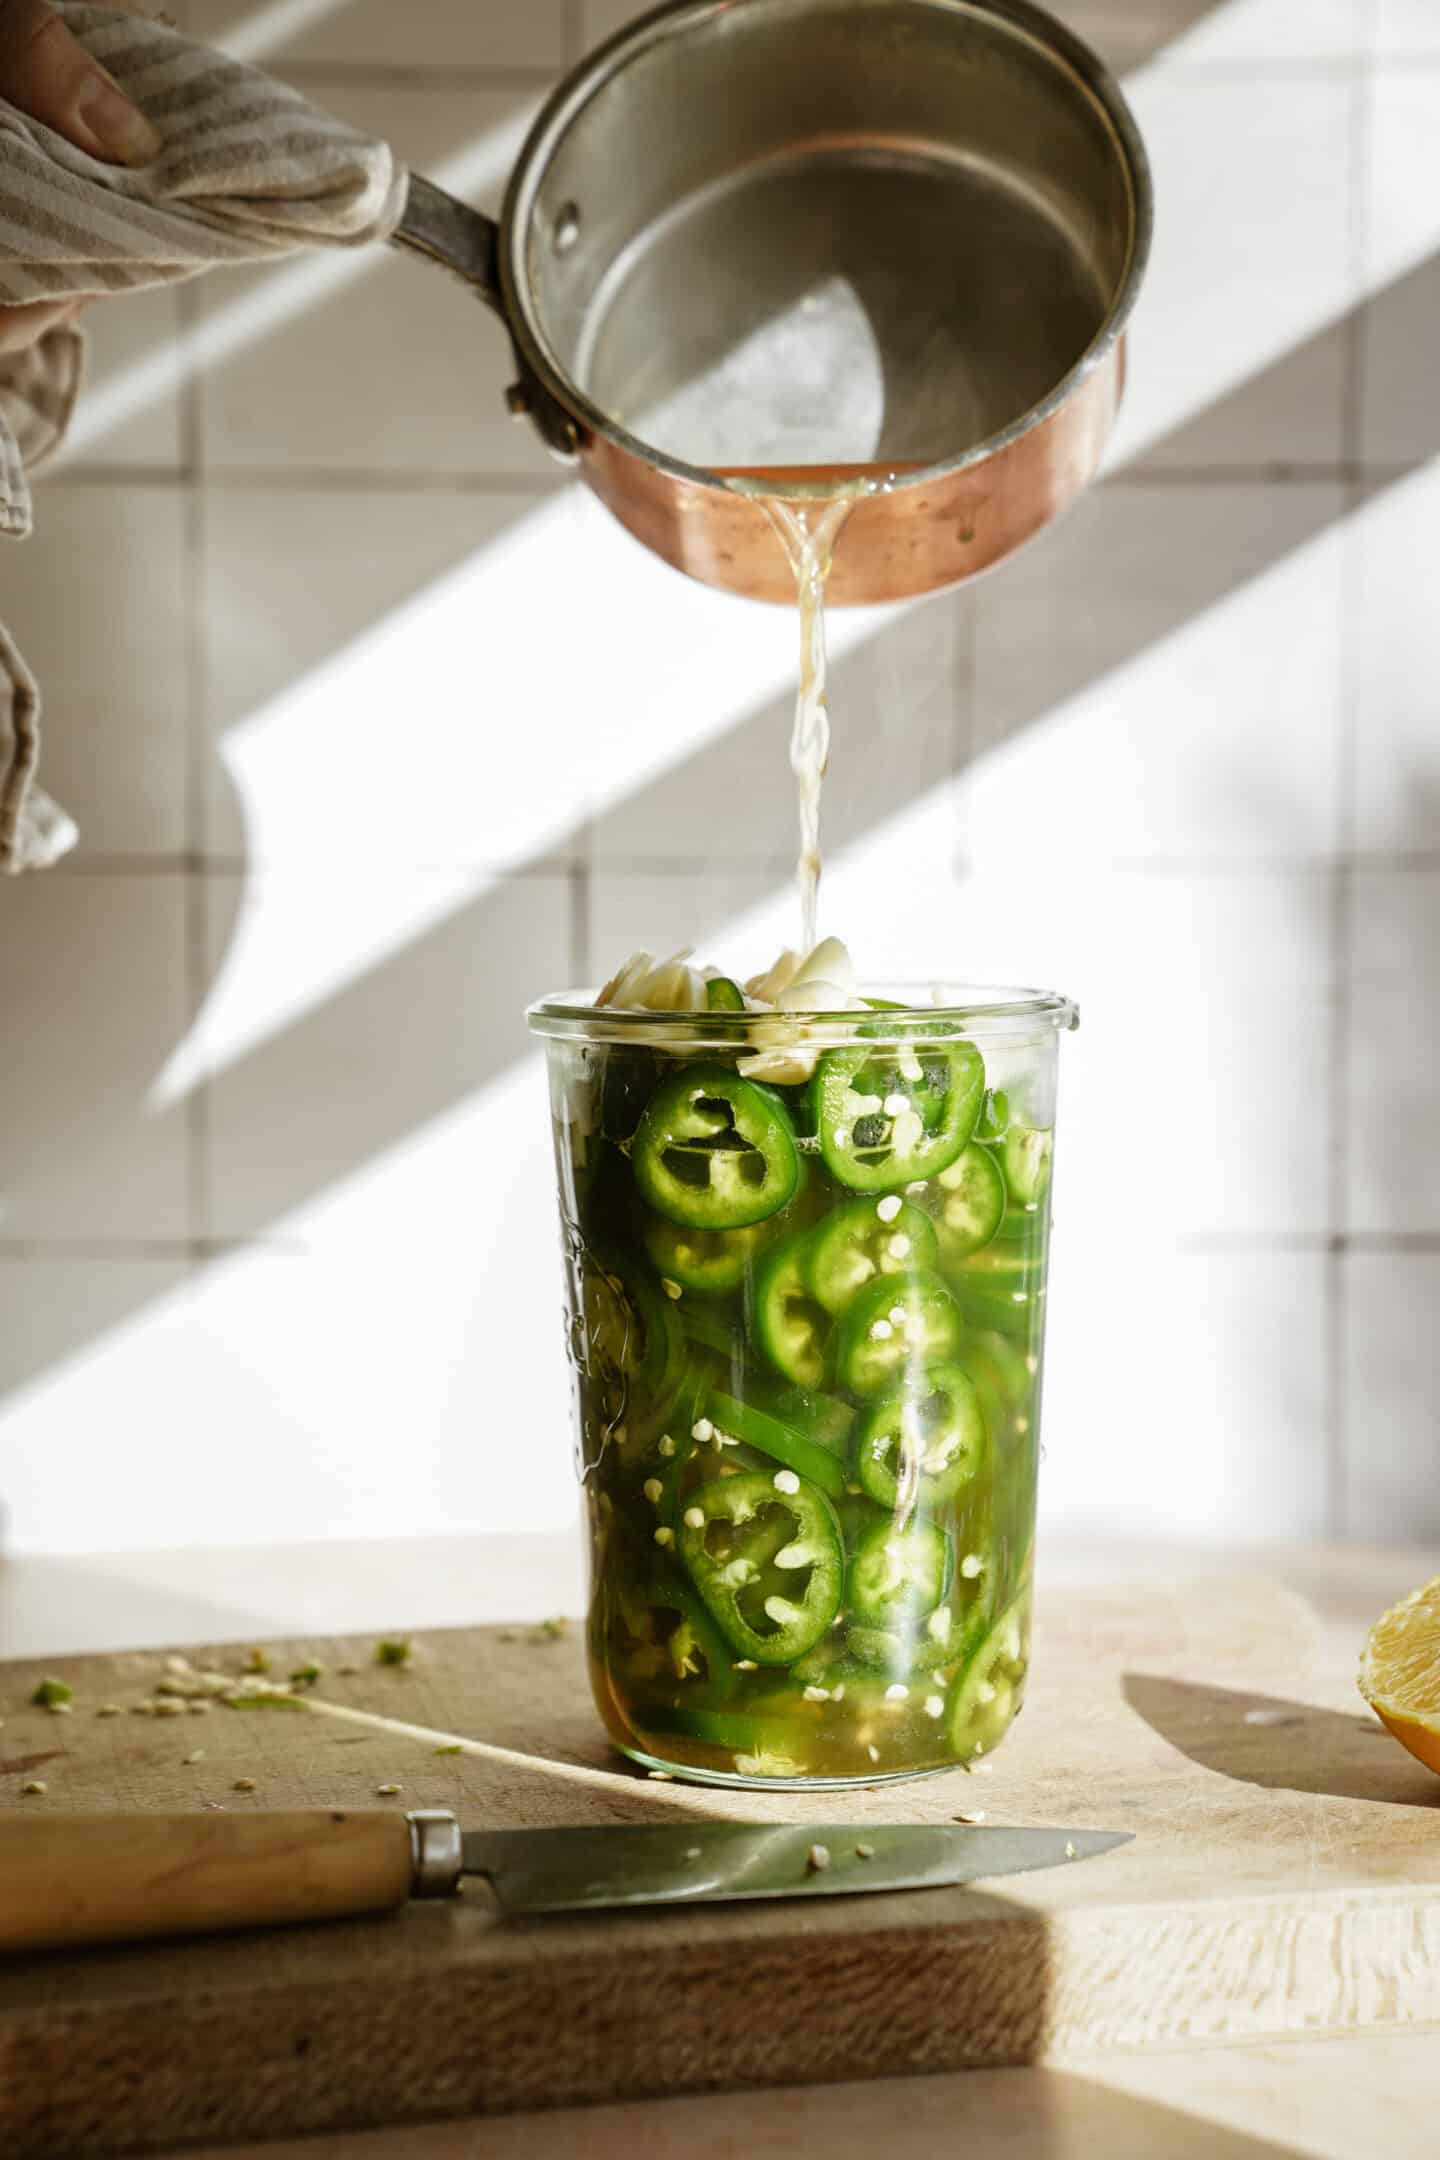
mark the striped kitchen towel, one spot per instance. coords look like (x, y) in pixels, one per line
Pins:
(246, 171)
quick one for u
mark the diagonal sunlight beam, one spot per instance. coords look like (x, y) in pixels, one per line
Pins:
(268, 29)
(512, 804)
(474, 959)
(487, 928)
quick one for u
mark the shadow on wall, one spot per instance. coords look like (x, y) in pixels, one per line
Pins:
(441, 1013)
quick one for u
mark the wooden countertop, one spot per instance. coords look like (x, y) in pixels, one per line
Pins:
(1330, 2099)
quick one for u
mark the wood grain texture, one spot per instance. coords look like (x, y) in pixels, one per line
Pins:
(1285, 1879)
(69, 1881)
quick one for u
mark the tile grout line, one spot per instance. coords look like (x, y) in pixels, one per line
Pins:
(1342, 896)
(197, 681)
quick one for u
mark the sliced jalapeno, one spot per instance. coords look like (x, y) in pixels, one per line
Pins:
(1027, 1152)
(892, 1326)
(889, 1116)
(783, 1443)
(628, 1346)
(895, 1573)
(970, 1202)
(671, 1616)
(715, 1152)
(988, 1690)
(1002, 1287)
(722, 995)
(772, 1612)
(793, 1329)
(766, 1741)
(923, 1445)
(912, 1646)
(855, 1244)
(1001, 1374)
(708, 1262)
(824, 1419)
(994, 1115)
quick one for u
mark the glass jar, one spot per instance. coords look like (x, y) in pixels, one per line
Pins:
(805, 1265)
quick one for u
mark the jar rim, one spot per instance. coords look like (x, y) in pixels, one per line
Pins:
(974, 1010)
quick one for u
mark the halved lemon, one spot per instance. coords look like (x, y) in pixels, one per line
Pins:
(1400, 1672)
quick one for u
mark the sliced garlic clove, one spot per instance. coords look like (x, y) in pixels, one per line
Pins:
(777, 978)
(627, 978)
(813, 997)
(780, 1068)
(830, 962)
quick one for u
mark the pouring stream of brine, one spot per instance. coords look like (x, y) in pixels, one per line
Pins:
(808, 531)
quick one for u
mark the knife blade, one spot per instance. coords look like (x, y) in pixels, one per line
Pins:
(69, 1881)
(619, 1864)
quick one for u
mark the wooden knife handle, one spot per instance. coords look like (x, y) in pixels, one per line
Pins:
(71, 1880)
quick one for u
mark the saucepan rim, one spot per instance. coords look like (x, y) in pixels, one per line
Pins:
(1091, 77)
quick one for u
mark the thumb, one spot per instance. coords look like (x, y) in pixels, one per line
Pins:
(49, 75)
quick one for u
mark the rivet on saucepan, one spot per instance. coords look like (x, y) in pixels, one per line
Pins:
(517, 399)
(567, 227)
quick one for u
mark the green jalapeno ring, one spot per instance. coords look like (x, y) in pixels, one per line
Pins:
(798, 1622)
(792, 1329)
(854, 1245)
(632, 1349)
(783, 1443)
(987, 1692)
(708, 1263)
(872, 1142)
(892, 1326)
(969, 1203)
(694, 1631)
(714, 1152)
(899, 1574)
(903, 1443)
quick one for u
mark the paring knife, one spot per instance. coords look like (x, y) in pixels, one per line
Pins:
(73, 1880)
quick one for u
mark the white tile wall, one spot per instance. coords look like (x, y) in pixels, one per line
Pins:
(93, 990)
(1397, 349)
(1392, 1379)
(1406, 27)
(1393, 1163)
(375, 732)
(97, 600)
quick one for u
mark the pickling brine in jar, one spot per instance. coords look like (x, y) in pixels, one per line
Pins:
(805, 1267)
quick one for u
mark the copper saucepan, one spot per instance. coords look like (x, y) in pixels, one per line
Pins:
(813, 238)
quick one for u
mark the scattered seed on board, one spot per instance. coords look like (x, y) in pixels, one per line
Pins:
(971, 1815)
(864, 1852)
(387, 1792)
(198, 1709)
(661, 1777)
(1069, 1850)
(196, 1755)
(244, 1784)
(108, 1709)
(35, 1785)
(818, 1859)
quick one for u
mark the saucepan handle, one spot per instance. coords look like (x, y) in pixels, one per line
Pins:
(449, 232)
(68, 1881)
(466, 242)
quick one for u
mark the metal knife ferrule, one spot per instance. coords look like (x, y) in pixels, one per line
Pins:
(435, 1852)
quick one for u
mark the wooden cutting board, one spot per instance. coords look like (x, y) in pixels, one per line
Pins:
(1285, 1878)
